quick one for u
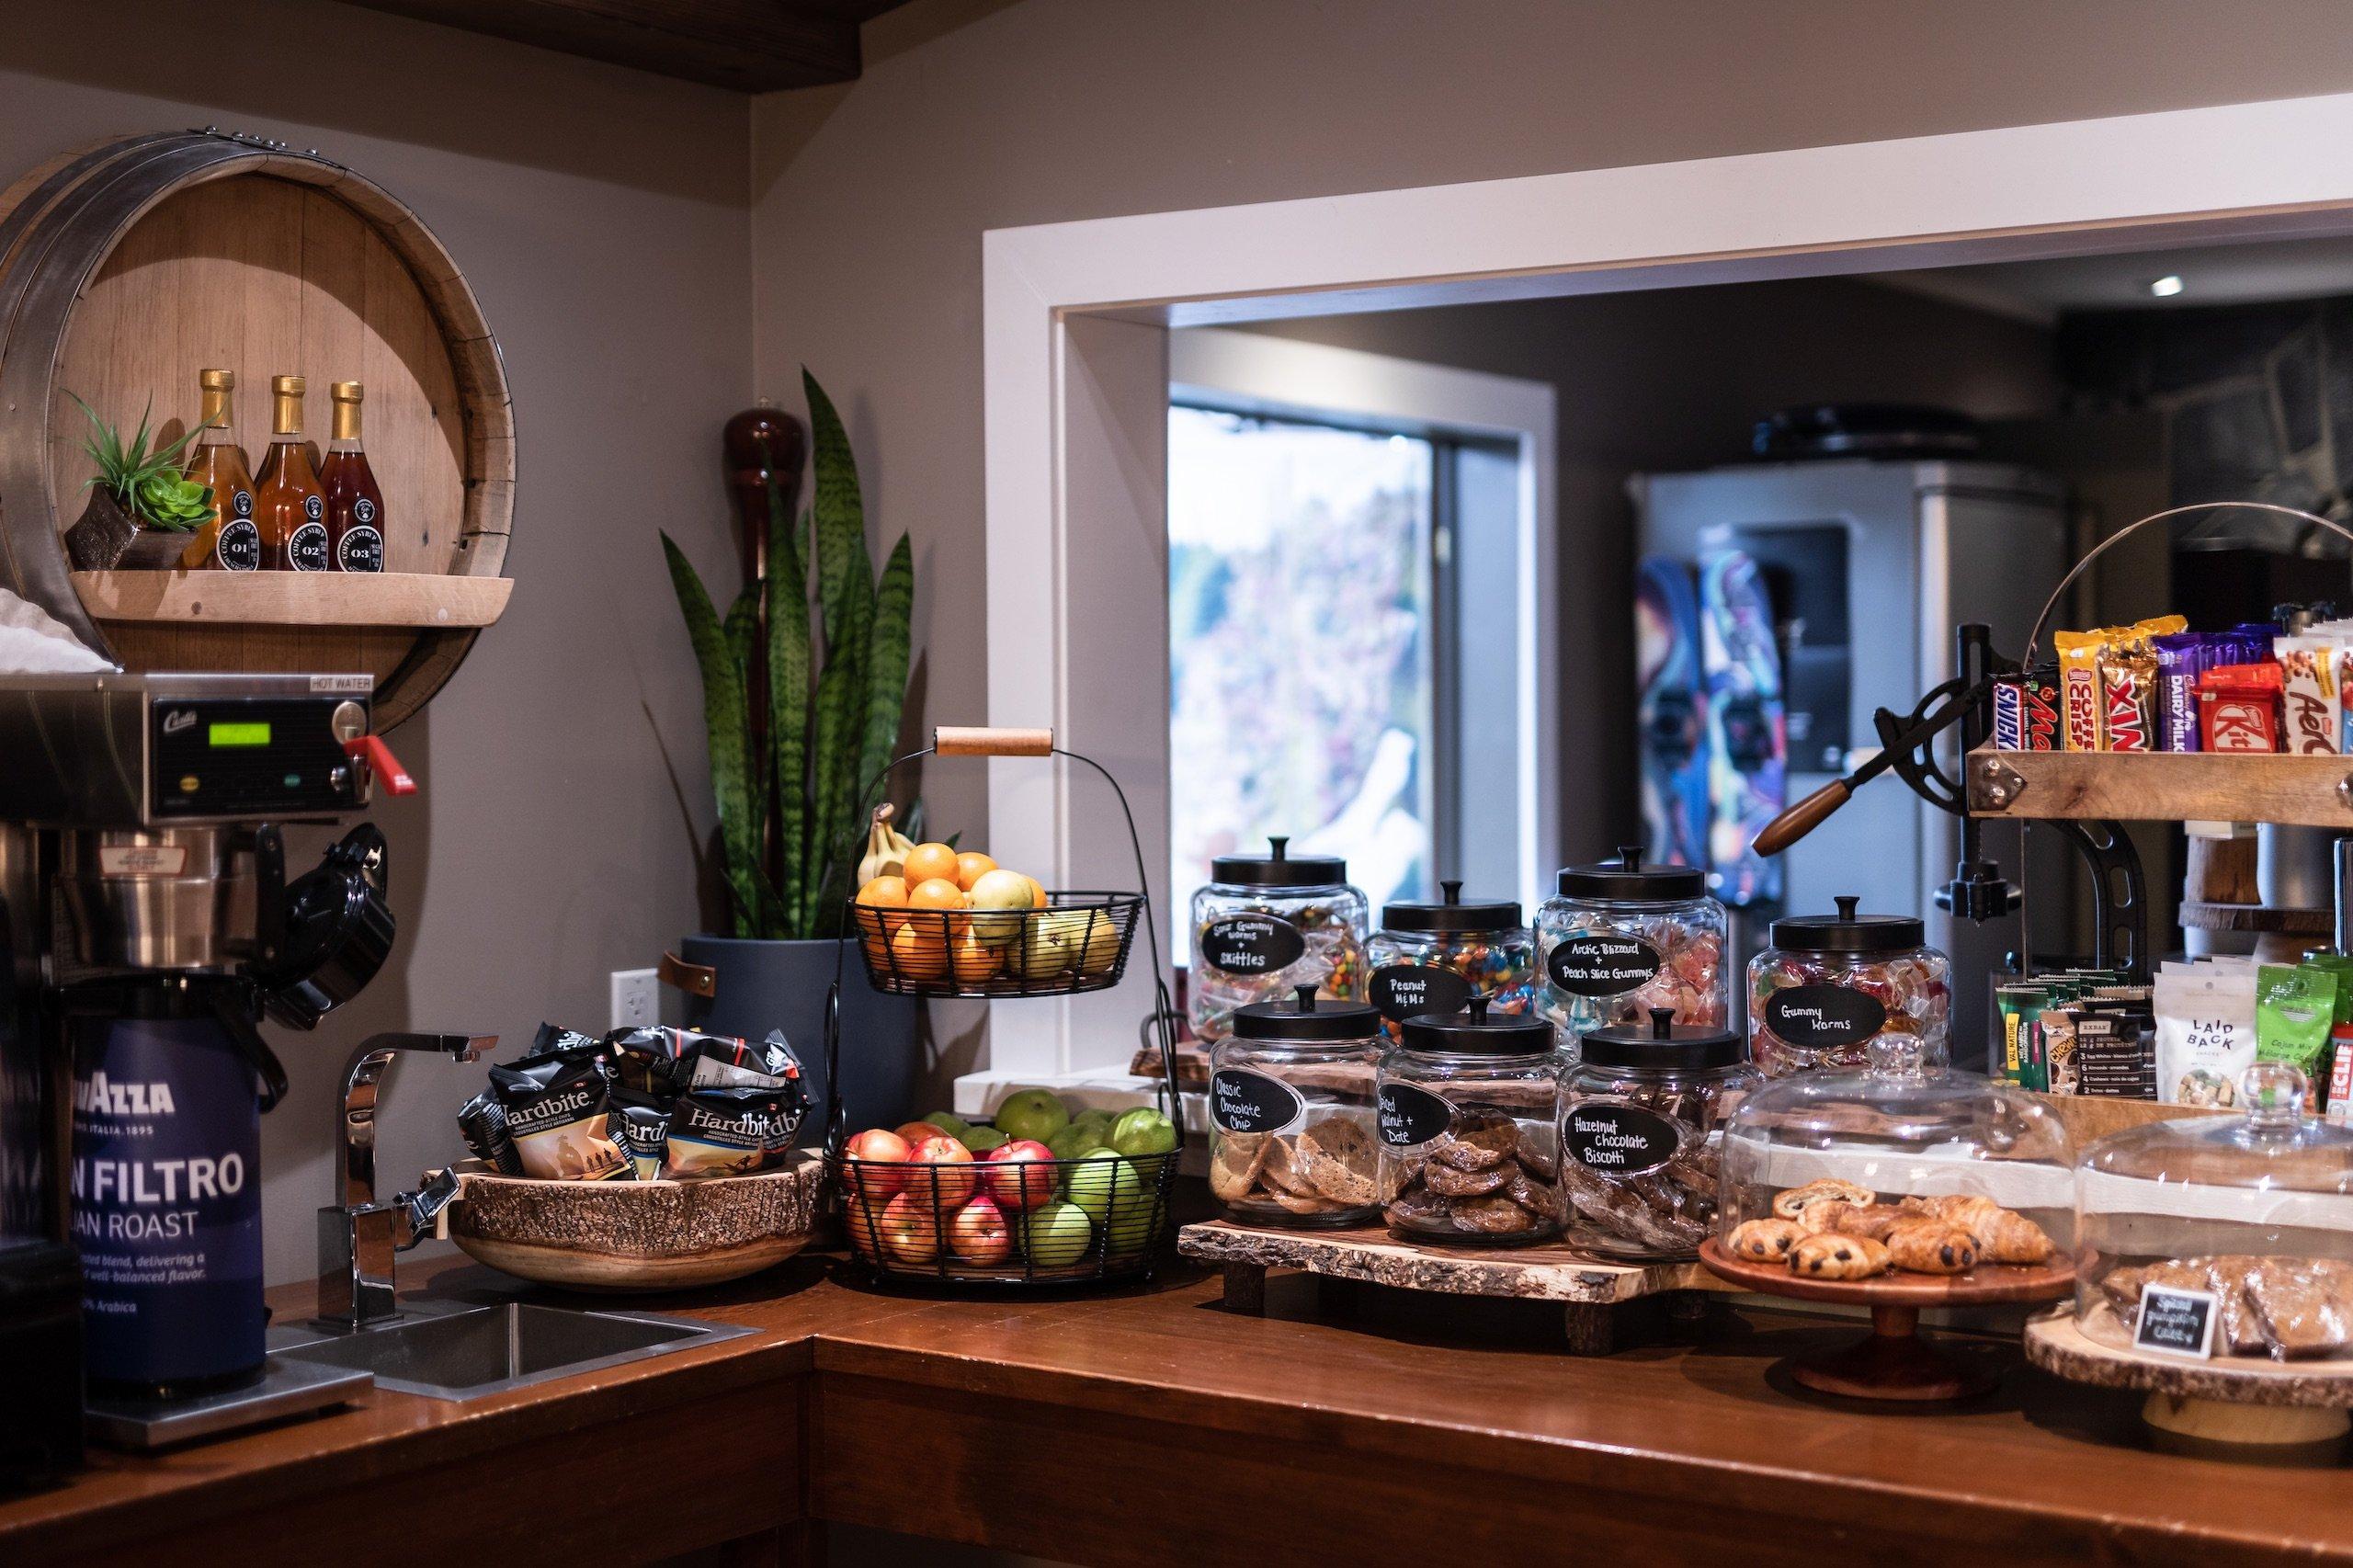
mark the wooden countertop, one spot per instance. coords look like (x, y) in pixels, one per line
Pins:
(1154, 1425)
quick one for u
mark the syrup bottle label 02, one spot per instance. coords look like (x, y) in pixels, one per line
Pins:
(1251, 944)
(307, 549)
(1244, 1100)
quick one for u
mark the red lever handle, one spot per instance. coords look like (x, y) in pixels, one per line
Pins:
(372, 753)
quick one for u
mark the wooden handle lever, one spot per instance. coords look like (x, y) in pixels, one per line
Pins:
(1802, 818)
(971, 739)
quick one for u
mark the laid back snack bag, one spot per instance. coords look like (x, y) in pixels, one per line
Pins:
(2205, 1032)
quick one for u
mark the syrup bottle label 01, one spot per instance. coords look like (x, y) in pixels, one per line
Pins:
(1822, 1017)
(1405, 991)
(1615, 1138)
(238, 546)
(1245, 1100)
(1250, 944)
(1411, 1116)
(1602, 963)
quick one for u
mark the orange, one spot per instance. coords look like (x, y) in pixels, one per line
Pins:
(970, 867)
(974, 960)
(925, 861)
(937, 894)
(885, 893)
(918, 954)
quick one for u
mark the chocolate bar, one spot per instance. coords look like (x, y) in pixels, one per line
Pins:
(2311, 716)
(2045, 708)
(2079, 679)
(2238, 708)
(2009, 713)
(2181, 658)
(2128, 688)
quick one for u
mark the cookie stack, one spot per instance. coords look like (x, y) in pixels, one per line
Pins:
(1324, 1171)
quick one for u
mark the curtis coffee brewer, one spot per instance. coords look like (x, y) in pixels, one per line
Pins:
(148, 924)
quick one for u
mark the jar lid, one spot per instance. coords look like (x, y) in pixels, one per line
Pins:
(1847, 932)
(1451, 913)
(1305, 1018)
(1280, 868)
(1473, 1033)
(1629, 881)
(1661, 1044)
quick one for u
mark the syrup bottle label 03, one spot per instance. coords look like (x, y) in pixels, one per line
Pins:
(361, 549)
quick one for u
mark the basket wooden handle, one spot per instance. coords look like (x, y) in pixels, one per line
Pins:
(969, 740)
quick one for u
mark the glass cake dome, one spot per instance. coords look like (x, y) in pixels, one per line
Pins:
(2254, 1211)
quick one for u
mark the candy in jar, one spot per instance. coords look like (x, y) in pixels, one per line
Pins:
(1434, 958)
(1831, 984)
(1624, 939)
(1266, 925)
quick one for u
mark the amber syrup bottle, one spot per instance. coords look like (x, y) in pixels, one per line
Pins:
(230, 542)
(287, 502)
(355, 502)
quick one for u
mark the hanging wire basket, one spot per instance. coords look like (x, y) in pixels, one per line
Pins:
(1078, 942)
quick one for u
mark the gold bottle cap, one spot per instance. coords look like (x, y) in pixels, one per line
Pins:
(217, 381)
(286, 386)
(347, 392)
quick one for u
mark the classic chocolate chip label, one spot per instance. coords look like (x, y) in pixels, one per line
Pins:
(1410, 1117)
(1822, 1017)
(1618, 1139)
(1241, 1100)
(2180, 1323)
(1599, 964)
(1250, 944)
(1405, 991)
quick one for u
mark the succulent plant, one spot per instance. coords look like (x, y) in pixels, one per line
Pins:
(790, 827)
(145, 484)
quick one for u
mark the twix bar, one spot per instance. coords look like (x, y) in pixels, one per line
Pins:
(2127, 684)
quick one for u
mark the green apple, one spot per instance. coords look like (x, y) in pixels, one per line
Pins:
(1057, 1234)
(1096, 1116)
(948, 1121)
(1034, 1114)
(1079, 1140)
(1143, 1130)
(1102, 1182)
(980, 1140)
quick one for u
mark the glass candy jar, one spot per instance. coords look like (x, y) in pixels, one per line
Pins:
(1625, 937)
(1433, 958)
(1292, 1113)
(1641, 1128)
(1829, 985)
(1266, 925)
(2254, 1211)
(1470, 1147)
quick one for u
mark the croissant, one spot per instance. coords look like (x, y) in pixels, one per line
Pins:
(1838, 1257)
(1764, 1241)
(1792, 1202)
(1840, 1217)
(2002, 1235)
(1923, 1245)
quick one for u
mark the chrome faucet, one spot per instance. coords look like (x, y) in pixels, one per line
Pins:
(359, 1236)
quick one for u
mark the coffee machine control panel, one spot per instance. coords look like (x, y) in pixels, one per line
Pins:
(265, 756)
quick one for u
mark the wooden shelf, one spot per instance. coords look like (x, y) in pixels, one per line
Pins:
(2315, 791)
(295, 599)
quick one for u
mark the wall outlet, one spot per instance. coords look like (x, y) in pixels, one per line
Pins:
(636, 998)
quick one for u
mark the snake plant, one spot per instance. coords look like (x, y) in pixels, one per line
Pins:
(789, 821)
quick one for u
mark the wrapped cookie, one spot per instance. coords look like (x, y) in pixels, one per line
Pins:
(1469, 1150)
(1291, 1113)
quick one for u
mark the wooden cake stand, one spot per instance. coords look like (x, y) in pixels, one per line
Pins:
(2246, 1400)
(1892, 1362)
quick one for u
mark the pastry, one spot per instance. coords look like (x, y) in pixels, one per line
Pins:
(2303, 1310)
(1485, 1175)
(1838, 1257)
(1871, 1220)
(1329, 1166)
(1793, 1202)
(1495, 1216)
(1764, 1241)
(2002, 1235)
(1926, 1245)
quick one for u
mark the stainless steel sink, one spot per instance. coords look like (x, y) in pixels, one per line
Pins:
(475, 1351)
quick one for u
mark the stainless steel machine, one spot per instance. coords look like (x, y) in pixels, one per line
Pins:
(149, 924)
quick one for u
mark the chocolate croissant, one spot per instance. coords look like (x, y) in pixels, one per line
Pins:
(1838, 1257)
(2002, 1235)
(1924, 1246)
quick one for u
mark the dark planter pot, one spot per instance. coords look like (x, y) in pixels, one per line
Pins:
(781, 985)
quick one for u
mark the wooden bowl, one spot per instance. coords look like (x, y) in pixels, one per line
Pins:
(650, 1235)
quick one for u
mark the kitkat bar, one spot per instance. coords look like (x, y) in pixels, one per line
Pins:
(2079, 685)
(2238, 708)
(2311, 717)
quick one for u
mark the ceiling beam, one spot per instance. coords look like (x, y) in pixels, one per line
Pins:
(754, 46)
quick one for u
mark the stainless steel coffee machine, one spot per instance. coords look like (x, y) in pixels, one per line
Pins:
(147, 923)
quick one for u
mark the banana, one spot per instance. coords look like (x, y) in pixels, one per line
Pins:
(886, 848)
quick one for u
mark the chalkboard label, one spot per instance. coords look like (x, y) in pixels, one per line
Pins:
(1822, 1017)
(1614, 1138)
(1250, 944)
(2179, 1323)
(1244, 1101)
(1602, 964)
(1411, 1116)
(1405, 991)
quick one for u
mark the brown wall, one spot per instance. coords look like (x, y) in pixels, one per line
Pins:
(599, 215)
(870, 199)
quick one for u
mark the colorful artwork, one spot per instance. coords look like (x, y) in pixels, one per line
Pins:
(1747, 749)
(1667, 710)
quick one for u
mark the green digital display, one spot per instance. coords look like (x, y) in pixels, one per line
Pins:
(248, 734)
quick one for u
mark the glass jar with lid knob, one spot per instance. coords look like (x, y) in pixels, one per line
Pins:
(1264, 925)
(1622, 937)
(2227, 1237)
(1641, 1128)
(1830, 985)
(1291, 1093)
(1470, 1142)
(1433, 958)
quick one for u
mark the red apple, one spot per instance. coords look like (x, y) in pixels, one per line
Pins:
(876, 1187)
(979, 1234)
(950, 1186)
(1015, 1186)
(910, 1229)
(915, 1132)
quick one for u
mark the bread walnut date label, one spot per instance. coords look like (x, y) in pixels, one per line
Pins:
(1618, 1139)
(1822, 1017)
(1411, 1116)
(1250, 944)
(1241, 1100)
(1599, 964)
(1405, 991)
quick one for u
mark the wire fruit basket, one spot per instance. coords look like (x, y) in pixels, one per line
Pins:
(1008, 1221)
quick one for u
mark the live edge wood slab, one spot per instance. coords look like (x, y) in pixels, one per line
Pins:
(1153, 1426)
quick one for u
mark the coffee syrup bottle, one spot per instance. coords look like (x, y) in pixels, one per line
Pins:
(287, 502)
(355, 502)
(230, 542)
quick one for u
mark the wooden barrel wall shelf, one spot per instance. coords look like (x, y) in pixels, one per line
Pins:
(126, 269)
